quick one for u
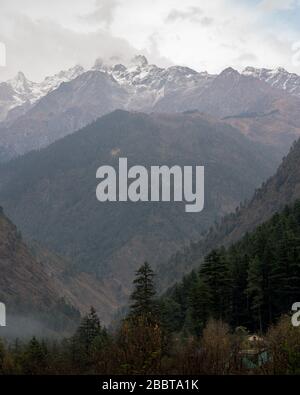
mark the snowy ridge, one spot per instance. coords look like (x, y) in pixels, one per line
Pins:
(278, 78)
(139, 73)
(19, 91)
(146, 84)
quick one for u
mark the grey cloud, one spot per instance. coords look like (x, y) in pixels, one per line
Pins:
(192, 13)
(153, 52)
(206, 21)
(247, 57)
(104, 12)
(40, 48)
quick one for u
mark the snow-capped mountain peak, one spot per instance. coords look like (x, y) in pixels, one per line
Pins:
(52, 82)
(278, 78)
(144, 84)
(139, 61)
(26, 92)
(20, 84)
(32, 91)
(19, 79)
(139, 74)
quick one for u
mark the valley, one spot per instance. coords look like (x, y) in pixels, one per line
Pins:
(107, 241)
(236, 125)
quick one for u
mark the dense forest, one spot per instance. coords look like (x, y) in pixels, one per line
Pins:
(229, 317)
(251, 284)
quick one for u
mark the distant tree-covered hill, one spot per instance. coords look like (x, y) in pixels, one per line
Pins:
(281, 189)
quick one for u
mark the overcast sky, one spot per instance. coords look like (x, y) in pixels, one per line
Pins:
(42, 37)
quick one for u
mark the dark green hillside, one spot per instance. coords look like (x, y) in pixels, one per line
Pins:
(252, 283)
(33, 302)
(281, 189)
(50, 194)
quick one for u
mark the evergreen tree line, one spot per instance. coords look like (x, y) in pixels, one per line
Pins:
(251, 283)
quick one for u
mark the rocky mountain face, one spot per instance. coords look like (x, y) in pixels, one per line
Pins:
(26, 288)
(40, 288)
(278, 78)
(51, 195)
(19, 93)
(227, 94)
(64, 110)
(19, 270)
(261, 111)
(148, 84)
(280, 190)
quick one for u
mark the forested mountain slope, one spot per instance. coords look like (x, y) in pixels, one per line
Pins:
(51, 194)
(27, 290)
(281, 189)
(251, 284)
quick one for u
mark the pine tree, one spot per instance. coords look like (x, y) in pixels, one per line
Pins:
(255, 289)
(143, 295)
(35, 357)
(200, 300)
(216, 275)
(89, 329)
(238, 306)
